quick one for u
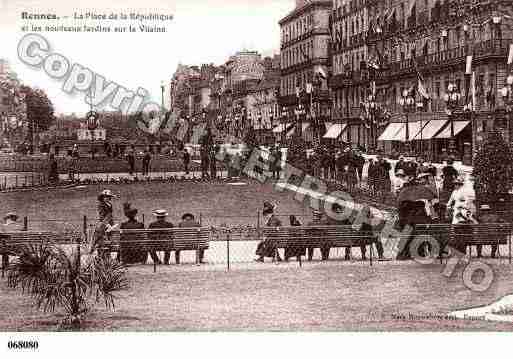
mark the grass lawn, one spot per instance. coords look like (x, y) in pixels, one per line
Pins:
(333, 296)
(218, 203)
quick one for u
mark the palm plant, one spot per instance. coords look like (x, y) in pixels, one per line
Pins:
(56, 279)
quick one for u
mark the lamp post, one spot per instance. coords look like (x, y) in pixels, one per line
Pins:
(407, 102)
(507, 97)
(284, 115)
(372, 107)
(316, 89)
(300, 111)
(452, 99)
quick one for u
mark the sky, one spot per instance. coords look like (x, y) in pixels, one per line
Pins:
(202, 31)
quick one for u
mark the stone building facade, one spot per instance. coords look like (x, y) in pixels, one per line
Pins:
(304, 49)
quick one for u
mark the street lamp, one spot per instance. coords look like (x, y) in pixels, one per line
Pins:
(284, 115)
(300, 111)
(407, 102)
(507, 96)
(452, 99)
(372, 107)
(163, 89)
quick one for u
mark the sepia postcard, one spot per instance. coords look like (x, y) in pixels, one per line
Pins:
(242, 166)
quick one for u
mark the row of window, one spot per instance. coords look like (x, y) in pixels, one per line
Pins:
(297, 28)
(349, 61)
(290, 83)
(486, 91)
(297, 54)
(348, 27)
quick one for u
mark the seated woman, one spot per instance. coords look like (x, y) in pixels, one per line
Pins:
(129, 254)
(296, 251)
(265, 248)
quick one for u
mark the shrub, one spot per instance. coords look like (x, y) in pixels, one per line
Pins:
(56, 279)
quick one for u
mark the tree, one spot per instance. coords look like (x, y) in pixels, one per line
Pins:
(40, 110)
(56, 279)
(493, 168)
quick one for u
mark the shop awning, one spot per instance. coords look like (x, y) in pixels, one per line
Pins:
(413, 130)
(430, 130)
(335, 130)
(281, 127)
(458, 127)
(390, 132)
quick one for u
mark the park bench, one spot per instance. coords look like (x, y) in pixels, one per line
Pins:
(467, 235)
(147, 240)
(13, 243)
(318, 237)
(486, 234)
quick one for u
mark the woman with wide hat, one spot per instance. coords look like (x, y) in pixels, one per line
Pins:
(266, 248)
(105, 223)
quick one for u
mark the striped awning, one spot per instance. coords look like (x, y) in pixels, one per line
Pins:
(390, 132)
(458, 127)
(335, 130)
(430, 130)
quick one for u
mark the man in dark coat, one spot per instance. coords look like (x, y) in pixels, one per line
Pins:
(162, 223)
(131, 162)
(129, 254)
(186, 160)
(146, 163)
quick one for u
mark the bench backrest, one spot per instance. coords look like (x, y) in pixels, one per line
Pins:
(482, 233)
(318, 236)
(161, 239)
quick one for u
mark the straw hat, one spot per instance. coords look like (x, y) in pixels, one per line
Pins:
(107, 193)
(159, 213)
(485, 207)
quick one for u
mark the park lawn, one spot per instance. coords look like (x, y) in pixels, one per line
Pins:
(218, 203)
(269, 297)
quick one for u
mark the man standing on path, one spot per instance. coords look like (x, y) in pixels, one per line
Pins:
(146, 163)
(186, 160)
(131, 162)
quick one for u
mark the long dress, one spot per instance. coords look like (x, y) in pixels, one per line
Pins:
(266, 248)
(129, 254)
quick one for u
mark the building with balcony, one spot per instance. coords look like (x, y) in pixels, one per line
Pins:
(349, 21)
(426, 45)
(305, 36)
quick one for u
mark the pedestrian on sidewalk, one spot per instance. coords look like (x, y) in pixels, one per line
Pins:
(146, 163)
(130, 157)
(186, 157)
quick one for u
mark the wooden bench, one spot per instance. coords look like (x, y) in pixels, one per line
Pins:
(484, 234)
(319, 237)
(148, 240)
(13, 243)
(467, 235)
